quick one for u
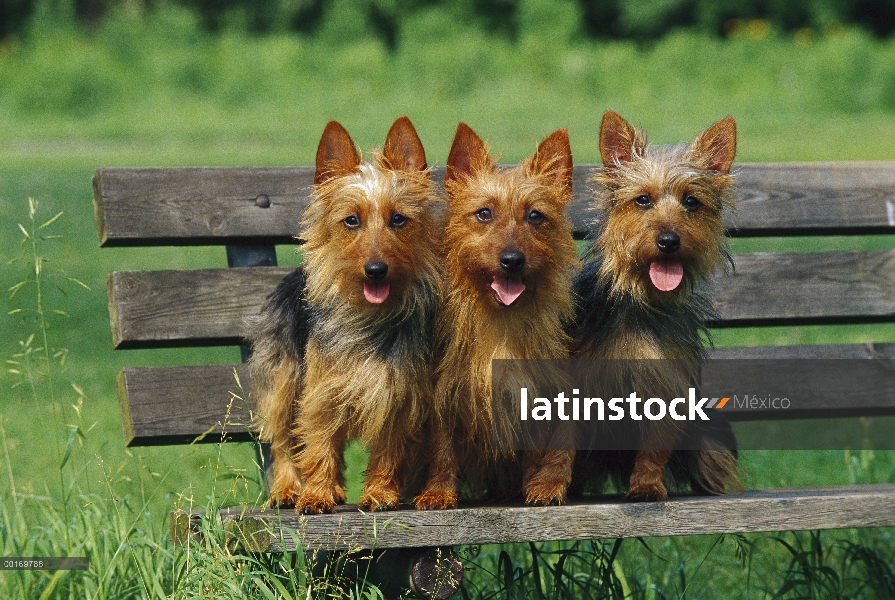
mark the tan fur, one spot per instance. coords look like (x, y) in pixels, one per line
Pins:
(366, 370)
(474, 328)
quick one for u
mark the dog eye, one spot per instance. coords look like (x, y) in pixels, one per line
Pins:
(484, 215)
(643, 201)
(692, 203)
(398, 220)
(535, 217)
(351, 222)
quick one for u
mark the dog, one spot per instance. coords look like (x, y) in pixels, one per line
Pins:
(643, 296)
(510, 261)
(343, 347)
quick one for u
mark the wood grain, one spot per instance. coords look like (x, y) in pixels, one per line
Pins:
(752, 511)
(814, 198)
(187, 308)
(200, 206)
(807, 288)
(209, 306)
(172, 405)
(161, 406)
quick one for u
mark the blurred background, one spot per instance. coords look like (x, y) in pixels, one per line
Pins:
(86, 84)
(241, 81)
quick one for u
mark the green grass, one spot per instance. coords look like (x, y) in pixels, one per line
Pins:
(161, 93)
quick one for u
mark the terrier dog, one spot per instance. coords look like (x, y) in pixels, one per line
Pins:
(642, 292)
(343, 347)
(510, 262)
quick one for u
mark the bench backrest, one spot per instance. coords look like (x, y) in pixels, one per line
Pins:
(251, 210)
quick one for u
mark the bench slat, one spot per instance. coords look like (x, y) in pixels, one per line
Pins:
(807, 288)
(752, 511)
(173, 405)
(162, 406)
(153, 309)
(209, 306)
(200, 206)
(815, 198)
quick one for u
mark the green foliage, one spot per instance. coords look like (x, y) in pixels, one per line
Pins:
(168, 83)
(572, 570)
(642, 20)
(821, 566)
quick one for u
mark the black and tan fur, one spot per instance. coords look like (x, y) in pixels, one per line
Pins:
(658, 204)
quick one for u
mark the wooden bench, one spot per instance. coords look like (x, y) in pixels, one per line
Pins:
(250, 210)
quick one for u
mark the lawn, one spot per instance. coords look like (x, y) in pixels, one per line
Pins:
(162, 93)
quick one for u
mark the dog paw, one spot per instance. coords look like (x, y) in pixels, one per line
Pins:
(372, 501)
(287, 497)
(312, 504)
(436, 500)
(546, 493)
(654, 492)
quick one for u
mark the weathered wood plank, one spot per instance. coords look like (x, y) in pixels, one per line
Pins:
(198, 206)
(209, 306)
(848, 380)
(187, 308)
(821, 198)
(171, 405)
(161, 406)
(819, 351)
(752, 511)
(807, 288)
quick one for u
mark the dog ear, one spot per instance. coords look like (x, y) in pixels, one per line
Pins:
(619, 142)
(554, 156)
(336, 154)
(403, 150)
(468, 154)
(717, 145)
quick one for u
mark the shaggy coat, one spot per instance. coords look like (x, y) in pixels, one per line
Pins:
(510, 260)
(343, 348)
(643, 294)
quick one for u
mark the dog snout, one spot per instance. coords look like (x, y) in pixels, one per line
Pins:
(376, 270)
(512, 261)
(668, 242)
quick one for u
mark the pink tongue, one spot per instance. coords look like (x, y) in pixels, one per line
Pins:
(666, 273)
(507, 289)
(376, 293)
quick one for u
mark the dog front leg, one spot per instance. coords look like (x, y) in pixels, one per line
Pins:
(441, 487)
(388, 458)
(320, 462)
(647, 482)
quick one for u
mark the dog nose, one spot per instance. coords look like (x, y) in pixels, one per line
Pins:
(668, 242)
(512, 260)
(376, 270)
